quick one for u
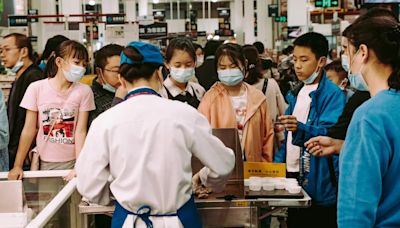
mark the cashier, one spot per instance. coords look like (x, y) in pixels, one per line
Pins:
(145, 145)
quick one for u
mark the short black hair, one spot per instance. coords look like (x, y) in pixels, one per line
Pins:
(259, 46)
(180, 43)
(336, 65)
(22, 41)
(315, 41)
(197, 46)
(100, 59)
(52, 44)
(211, 47)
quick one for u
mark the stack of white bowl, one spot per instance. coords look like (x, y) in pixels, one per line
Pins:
(270, 184)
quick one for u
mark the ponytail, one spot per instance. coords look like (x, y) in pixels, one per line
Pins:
(67, 49)
(51, 68)
(394, 78)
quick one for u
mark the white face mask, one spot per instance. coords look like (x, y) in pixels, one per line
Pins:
(345, 62)
(75, 73)
(182, 75)
(199, 60)
(17, 66)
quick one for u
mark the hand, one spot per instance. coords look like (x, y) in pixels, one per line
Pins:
(289, 122)
(199, 189)
(196, 182)
(121, 92)
(70, 175)
(323, 146)
(16, 173)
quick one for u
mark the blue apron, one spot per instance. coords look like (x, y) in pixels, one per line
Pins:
(187, 214)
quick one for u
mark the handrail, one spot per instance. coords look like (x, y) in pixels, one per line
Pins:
(51, 209)
(42, 173)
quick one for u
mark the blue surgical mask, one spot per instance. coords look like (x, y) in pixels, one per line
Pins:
(109, 88)
(75, 73)
(312, 78)
(17, 66)
(345, 62)
(356, 79)
(182, 75)
(230, 77)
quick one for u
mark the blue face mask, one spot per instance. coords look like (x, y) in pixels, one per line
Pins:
(75, 73)
(312, 78)
(108, 87)
(230, 77)
(345, 62)
(17, 66)
(182, 75)
(356, 79)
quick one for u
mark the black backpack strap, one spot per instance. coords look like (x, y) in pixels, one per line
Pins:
(264, 89)
(332, 172)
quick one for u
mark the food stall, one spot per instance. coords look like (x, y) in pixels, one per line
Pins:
(49, 201)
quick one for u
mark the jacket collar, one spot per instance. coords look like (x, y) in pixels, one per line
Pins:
(254, 100)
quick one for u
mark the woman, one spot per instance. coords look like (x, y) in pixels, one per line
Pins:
(232, 103)
(181, 61)
(269, 87)
(59, 106)
(146, 146)
(369, 190)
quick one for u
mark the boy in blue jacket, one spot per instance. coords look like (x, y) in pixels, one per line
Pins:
(314, 106)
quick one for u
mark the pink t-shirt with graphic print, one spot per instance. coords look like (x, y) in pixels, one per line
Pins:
(57, 117)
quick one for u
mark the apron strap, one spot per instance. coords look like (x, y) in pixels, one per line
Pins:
(187, 215)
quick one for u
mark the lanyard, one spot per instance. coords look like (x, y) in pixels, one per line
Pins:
(141, 91)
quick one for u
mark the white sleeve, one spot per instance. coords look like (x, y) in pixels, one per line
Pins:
(92, 167)
(218, 159)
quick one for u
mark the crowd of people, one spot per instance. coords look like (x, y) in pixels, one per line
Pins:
(332, 118)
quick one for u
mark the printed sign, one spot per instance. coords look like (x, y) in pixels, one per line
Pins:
(264, 169)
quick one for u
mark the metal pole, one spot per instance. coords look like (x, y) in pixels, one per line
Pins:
(178, 9)
(209, 9)
(204, 9)
(171, 6)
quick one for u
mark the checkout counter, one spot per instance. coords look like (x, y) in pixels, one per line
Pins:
(52, 201)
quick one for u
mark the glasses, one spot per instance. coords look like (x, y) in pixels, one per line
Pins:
(112, 71)
(5, 50)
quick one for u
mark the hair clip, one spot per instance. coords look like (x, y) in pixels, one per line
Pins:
(251, 66)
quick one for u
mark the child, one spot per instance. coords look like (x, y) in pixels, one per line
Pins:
(232, 103)
(58, 104)
(181, 62)
(314, 106)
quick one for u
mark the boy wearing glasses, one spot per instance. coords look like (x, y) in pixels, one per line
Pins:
(105, 85)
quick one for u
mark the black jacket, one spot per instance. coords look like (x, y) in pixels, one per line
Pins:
(207, 74)
(16, 114)
(338, 131)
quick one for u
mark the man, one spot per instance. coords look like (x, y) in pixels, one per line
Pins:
(106, 83)
(17, 55)
(314, 105)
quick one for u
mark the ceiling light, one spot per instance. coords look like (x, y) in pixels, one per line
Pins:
(92, 2)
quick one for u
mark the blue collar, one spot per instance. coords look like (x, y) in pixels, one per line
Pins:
(141, 91)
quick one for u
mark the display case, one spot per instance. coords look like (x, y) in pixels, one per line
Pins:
(41, 199)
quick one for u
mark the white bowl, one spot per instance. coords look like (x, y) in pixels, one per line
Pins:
(289, 185)
(279, 186)
(255, 187)
(268, 186)
(294, 189)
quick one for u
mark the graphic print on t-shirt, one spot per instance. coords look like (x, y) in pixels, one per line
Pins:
(58, 125)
